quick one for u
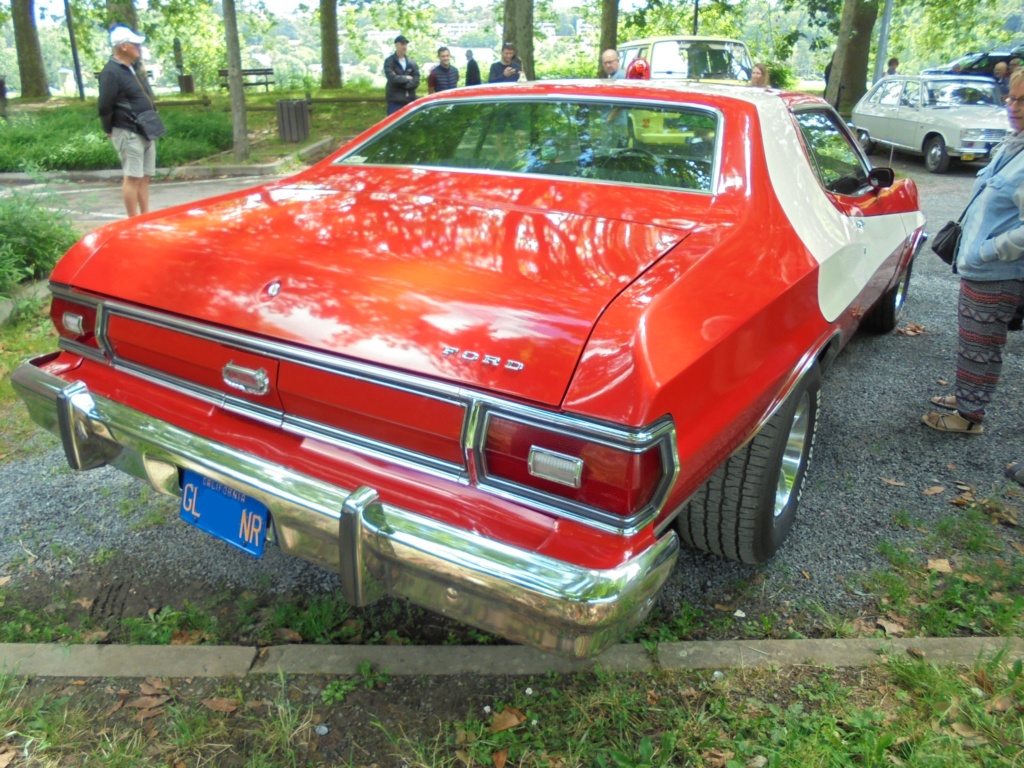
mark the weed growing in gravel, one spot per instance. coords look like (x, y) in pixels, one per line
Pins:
(22, 625)
(190, 626)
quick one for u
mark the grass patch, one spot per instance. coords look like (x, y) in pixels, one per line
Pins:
(900, 711)
(971, 582)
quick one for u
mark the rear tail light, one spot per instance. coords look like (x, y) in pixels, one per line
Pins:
(75, 322)
(593, 475)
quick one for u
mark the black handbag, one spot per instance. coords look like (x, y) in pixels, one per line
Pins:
(149, 125)
(947, 241)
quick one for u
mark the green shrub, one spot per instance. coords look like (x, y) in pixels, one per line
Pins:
(71, 139)
(32, 237)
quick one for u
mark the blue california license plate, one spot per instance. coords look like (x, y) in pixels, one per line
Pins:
(230, 515)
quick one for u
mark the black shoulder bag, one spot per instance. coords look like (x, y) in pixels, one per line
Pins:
(147, 122)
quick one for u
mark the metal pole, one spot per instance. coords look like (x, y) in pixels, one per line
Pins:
(74, 50)
(883, 41)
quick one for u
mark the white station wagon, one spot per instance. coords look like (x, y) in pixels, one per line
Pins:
(939, 116)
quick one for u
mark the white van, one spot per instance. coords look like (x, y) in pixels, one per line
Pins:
(690, 57)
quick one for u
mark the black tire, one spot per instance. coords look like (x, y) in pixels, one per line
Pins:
(936, 158)
(885, 315)
(745, 510)
(866, 143)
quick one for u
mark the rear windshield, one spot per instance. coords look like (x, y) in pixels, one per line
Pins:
(611, 141)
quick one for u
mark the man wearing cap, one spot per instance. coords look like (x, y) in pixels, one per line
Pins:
(403, 77)
(123, 94)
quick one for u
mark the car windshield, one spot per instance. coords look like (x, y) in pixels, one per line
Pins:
(701, 59)
(616, 141)
(957, 93)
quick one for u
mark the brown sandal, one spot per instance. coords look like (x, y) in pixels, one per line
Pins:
(945, 401)
(952, 422)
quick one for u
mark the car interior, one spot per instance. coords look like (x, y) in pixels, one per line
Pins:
(595, 140)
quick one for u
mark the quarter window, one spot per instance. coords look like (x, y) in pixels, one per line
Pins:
(835, 160)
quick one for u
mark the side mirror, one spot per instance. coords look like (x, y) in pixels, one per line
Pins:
(881, 178)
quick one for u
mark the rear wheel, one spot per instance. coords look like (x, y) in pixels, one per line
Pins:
(936, 158)
(885, 315)
(745, 510)
(866, 143)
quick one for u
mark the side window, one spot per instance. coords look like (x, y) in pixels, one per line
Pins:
(889, 94)
(835, 160)
(911, 92)
(666, 59)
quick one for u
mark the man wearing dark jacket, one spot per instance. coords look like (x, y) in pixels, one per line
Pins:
(472, 69)
(403, 77)
(124, 94)
(445, 75)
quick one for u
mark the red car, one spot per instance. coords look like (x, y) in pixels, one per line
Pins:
(502, 352)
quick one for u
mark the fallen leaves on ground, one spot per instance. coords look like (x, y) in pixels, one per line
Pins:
(509, 717)
(933, 490)
(7, 755)
(890, 481)
(940, 565)
(891, 628)
(220, 705)
(911, 329)
(286, 635)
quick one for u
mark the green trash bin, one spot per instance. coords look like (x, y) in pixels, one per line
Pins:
(293, 119)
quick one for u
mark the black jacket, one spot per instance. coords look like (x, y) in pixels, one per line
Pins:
(402, 83)
(472, 72)
(119, 84)
(445, 78)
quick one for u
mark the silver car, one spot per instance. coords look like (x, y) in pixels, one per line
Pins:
(938, 116)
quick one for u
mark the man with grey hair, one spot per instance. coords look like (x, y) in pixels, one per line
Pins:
(123, 94)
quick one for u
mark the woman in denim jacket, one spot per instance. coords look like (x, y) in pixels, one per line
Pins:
(990, 262)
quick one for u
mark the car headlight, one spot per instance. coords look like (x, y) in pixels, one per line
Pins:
(972, 134)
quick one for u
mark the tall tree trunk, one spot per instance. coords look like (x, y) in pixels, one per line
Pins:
(331, 76)
(30, 55)
(848, 79)
(518, 21)
(122, 12)
(241, 132)
(609, 29)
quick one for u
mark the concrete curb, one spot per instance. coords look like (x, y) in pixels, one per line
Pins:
(44, 660)
(312, 153)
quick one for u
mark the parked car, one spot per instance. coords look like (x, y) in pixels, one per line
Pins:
(690, 57)
(500, 375)
(938, 116)
(977, 63)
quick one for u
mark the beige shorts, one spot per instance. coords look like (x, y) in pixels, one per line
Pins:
(138, 156)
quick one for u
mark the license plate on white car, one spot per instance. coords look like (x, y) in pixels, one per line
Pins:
(224, 512)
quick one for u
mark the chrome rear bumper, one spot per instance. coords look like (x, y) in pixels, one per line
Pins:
(378, 549)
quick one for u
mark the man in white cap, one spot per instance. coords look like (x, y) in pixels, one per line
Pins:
(123, 95)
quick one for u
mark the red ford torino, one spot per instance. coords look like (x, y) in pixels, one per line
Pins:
(501, 353)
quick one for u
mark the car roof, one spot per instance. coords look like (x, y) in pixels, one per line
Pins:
(687, 38)
(638, 89)
(966, 78)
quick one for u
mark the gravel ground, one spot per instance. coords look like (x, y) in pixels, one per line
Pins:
(62, 525)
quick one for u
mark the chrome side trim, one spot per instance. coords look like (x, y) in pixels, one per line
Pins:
(378, 548)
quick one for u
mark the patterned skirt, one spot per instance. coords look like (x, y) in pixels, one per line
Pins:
(985, 310)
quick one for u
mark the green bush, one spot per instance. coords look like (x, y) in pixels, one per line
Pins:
(71, 139)
(32, 237)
